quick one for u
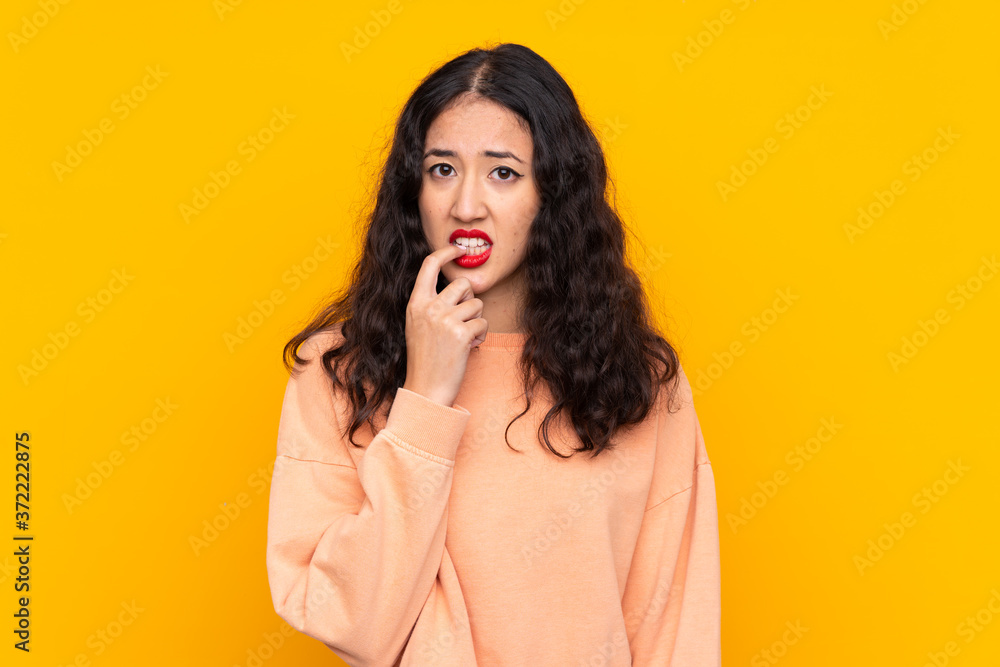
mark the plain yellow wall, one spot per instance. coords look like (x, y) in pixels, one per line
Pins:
(815, 184)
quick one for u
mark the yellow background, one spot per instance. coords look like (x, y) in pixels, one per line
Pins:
(673, 130)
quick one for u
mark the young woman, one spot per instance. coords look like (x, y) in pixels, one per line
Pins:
(420, 514)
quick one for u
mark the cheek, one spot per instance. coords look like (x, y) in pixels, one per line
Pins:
(525, 216)
(426, 214)
(530, 205)
(431, 209)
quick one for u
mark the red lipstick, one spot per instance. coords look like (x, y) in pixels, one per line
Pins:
(470, 261)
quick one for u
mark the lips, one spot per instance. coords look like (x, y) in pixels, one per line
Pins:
(470, 261)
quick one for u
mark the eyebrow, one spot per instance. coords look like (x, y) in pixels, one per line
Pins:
(440, 152)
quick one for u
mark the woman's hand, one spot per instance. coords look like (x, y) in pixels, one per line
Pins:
(441, 330)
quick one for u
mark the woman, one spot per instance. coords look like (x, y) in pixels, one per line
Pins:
(455, 530)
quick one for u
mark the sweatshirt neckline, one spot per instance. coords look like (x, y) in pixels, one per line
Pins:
(495, 341)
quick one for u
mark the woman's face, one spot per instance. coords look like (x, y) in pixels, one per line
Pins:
(477, 178)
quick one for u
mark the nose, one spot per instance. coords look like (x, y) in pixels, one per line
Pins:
(469, 203)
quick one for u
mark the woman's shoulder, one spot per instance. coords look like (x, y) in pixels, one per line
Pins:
(314, 410)
(321, 340)
(677, 418)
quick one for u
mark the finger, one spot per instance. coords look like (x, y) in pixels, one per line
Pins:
(425, 284)
(482, 327)
(456, 292)
(468, 310)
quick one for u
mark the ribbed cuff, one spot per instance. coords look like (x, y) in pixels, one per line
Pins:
(426, 424)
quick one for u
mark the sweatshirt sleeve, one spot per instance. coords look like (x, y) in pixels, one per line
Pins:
(672, 598)
(353, 552)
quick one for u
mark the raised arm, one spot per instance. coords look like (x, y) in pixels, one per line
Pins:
(352, 553)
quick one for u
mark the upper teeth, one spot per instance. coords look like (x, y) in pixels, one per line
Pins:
(470, 242)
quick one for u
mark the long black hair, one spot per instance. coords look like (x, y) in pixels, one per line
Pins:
(590, 334)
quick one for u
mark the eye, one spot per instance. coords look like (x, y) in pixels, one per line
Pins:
(442, 165)
(506, 173)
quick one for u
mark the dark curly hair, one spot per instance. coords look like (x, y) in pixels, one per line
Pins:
(590, 335)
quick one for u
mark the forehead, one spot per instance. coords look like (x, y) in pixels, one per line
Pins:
(471, 125)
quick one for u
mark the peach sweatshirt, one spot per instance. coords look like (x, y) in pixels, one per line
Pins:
(436, 544)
